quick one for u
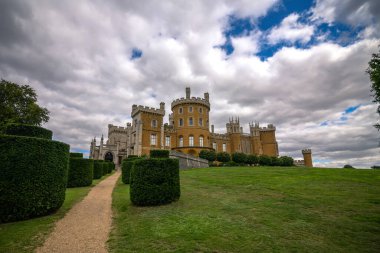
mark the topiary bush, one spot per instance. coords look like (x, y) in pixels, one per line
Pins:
(159, 153)
(28, 130)
(154, 181)
(98, 169)
(223, 157)
(209, 155)
(81, 172)
(33, 176)
(77, 155)
(126, 166)
(238, 157)
(252, 159)
(265, 160)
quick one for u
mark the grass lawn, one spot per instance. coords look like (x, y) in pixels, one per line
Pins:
(256, 209)
(25, 236)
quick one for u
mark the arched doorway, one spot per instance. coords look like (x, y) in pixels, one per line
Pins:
(108, 157)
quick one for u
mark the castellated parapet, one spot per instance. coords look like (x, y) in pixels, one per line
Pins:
(116, 129)
(306, 151)
(139, 108)
(307, 157)
(192, 100)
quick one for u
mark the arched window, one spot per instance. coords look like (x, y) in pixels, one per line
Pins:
(180, 122)
(200, 110)
(191, 140)
(200, 122)
(190, 109)
(180, 110)
(201, 141)
(167, 141)
(214, 146)
(180, 141)
(154, 123)
(190, 121)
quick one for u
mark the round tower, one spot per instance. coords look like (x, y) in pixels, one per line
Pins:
(307, 157)
(190, 119)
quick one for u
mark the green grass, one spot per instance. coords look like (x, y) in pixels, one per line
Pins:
(25, 236)
(246, 209)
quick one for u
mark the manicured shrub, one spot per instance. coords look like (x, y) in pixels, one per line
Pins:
(348, 166)
(231, 164)
(126, 166)
(81, 172)
(275, 161)
(265, 160)
(28, 130)
(154, 181)
(223, 157)
(76, 155)
(252, 159)
(112, 166)
(98, 169)
(238, 157)
(286, 161)
(209, 155)
(105, 167)
(33, 176)
(159, 153)
(132, 156)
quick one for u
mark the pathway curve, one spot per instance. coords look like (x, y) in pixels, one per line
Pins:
(85, 228)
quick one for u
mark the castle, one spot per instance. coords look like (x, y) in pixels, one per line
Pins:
(188, 131)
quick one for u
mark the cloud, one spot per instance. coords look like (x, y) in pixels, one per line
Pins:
(78, 58)
(291, 30)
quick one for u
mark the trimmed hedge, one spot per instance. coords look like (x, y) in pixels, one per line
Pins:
(159, 153)
(98, 169)
(76, 155)
(33, 176)
(126, 166)
(81, 172)
(154, 181)
(28, 130)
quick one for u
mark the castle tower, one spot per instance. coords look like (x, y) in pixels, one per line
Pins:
(254, 130)
(234, 131)
(307, 157)
(268, 140)
(147, 129)
(190, 119)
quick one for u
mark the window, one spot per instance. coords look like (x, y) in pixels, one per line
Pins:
(200, 110)
(180, 141)
(191, 140)
(201, 141)
(180, 122)
(154, 123)
(167, 141)
(153, 139)
(190, 109)
(200, 122)
(214, 146)
(224, 147)
(180, 110)
(190, 121)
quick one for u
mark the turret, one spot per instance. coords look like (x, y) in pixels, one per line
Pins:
(187, 92)
(307, 157)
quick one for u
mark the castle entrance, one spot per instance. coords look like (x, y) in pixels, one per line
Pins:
(108, 157)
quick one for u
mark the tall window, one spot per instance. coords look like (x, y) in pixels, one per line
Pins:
(180, 141)
(190, 121)
(190, 109)
(180, 110)
(180, 122)
(154, 123)
(200, 110)
(214, 146)
(200, 122)
(191, 140)
(224, 147)
(153, 139)
(201, 141)
(167, 141)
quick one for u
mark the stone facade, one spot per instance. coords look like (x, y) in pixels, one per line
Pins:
(187, 132)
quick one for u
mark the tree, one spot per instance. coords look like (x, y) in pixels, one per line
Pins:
(239, 157)
(208, 155)
(374, 75)
(252, 159)
(19, 105)
(223, 157)
(265, 160)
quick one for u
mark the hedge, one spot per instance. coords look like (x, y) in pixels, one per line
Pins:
(126, 166)
(154, 181)
(33, 176)
(238, 157)
(98, 169)
(76, 155)
(81, 172)
(28, 130)
(159, 153)
(223, 157)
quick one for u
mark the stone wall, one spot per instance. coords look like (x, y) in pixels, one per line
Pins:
(188, 161)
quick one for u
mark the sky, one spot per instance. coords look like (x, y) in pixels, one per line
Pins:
(297, 64)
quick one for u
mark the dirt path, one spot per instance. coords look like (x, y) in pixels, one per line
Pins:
(86, 226)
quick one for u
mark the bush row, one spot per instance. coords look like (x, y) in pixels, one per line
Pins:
(28, 130)
(81, 172)
(126, 167)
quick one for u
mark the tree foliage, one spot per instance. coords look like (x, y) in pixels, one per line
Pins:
(374, 75)
(238, 157)
(19, 105)
(209, 155)
(223, 157)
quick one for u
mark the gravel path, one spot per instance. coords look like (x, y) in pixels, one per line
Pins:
(86, 226)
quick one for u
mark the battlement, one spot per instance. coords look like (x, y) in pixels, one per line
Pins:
(306, 151)
(140, 108)
(219, 136)
(119, 129)
(192, 100)
(268, 128)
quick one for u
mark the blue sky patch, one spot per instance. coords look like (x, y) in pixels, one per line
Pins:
(136, 53)
(351, 109)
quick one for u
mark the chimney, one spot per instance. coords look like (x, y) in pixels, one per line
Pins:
(187, 92)
(207, 96)
(212, 128)
(162, 106)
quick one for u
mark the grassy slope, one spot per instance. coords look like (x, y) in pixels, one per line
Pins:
(256, 209)
(25, 236)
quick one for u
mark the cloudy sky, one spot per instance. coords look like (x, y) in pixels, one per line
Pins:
(298, 65)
